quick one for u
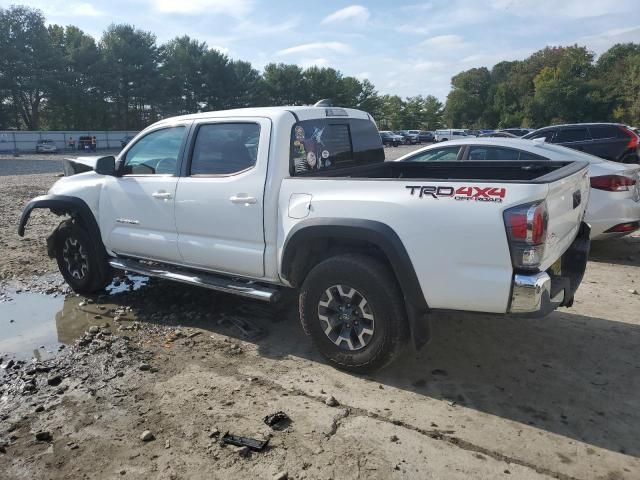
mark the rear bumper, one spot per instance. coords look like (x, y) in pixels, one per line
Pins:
(538, 294)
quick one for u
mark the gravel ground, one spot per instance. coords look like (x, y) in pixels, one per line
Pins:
(490, 397)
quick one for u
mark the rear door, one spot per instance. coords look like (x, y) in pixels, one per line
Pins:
(577, 138)
(220, 198)
(609, 141)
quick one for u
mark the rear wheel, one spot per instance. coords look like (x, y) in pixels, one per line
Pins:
(79, 261)
(352, 308)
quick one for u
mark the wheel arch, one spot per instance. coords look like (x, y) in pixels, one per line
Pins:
(358, 232)
(75, 207)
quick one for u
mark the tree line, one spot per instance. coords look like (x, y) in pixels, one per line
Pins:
(554, 85)
(59, 78)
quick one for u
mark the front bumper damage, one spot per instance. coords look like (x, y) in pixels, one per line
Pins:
(538, 294)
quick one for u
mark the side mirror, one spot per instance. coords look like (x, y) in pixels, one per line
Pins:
(106, 166)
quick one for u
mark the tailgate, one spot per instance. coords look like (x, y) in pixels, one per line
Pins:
(566, 204)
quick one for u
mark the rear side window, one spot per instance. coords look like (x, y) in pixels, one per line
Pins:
(605, 131)
(444, 154)
(329, 144)
(225, 148)
(492, 153)
(547, 135)
(567, 135)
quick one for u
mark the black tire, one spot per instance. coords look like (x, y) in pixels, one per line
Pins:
(375, 284)
(79, 261)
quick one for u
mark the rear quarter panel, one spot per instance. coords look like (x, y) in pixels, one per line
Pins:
(458, 247)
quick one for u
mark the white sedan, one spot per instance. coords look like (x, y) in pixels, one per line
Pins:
(614, 203)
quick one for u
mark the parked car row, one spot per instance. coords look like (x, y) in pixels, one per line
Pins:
(406, 137)
(611, 141)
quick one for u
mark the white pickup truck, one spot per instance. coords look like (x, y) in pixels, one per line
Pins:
(254, 201)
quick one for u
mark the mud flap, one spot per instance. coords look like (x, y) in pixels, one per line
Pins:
(419, 326)
(574, 264)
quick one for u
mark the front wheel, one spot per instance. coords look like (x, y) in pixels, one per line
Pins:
(351, 307)
(79, 261)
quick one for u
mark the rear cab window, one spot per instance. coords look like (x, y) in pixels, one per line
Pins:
(329, 144)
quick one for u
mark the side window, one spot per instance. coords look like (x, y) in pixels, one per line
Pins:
(492, 153)
(225, 148)
(604, 131)
(530, 156)
(156, 153)
(547, 135)
(445, 154)
(567, 135)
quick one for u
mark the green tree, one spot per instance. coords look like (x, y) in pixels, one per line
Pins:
(284, 84)
(28, 62)
(128, 74)
(181, 74)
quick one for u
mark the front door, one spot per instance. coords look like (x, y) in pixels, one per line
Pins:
(137, 209)
(219, 200)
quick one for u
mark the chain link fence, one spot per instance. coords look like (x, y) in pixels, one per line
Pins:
(65, 141)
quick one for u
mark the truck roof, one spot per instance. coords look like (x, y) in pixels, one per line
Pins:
(301, 112)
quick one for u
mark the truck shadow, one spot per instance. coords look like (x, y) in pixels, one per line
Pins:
(568, 374)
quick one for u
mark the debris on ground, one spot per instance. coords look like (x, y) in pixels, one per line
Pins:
(331, 401)
(278, 420)
(251, 443)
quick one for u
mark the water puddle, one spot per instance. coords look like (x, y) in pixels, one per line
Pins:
(36, 325)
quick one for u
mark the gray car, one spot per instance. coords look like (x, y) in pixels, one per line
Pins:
(46, 146)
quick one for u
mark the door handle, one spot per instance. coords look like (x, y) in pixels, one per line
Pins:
(243, 200)
(162, 195)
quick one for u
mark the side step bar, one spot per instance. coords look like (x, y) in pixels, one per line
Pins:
(201, 279)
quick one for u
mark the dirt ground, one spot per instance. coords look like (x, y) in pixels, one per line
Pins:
(489, 397)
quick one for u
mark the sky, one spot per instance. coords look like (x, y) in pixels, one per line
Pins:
(405, 48)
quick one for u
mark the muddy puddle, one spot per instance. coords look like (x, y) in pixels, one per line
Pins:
(36, 325)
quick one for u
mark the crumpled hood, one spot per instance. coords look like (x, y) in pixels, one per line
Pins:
(72, 166)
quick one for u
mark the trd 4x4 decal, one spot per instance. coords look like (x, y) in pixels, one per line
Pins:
(470, 193)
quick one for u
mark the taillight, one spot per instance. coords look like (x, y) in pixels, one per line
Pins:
(527, 232)
(624, 228)
(633, 137)
(612, 183)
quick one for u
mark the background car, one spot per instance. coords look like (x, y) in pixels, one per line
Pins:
(390, 138)
(426, 136)
(417, 134)
(447, 134)
(46, 146)
(612, 141)
(614, 203)
(498, 135)
(84, 143)
(409, 138)
(518, 132)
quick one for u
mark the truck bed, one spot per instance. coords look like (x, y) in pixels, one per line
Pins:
(543, 171)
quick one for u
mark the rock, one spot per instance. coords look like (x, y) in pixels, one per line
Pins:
(93, 329)
(54, 380)
(8, 365)
(147, 436)
(144, 367)
(44, 436)
(39, 408)
(394, 438)
(331, 401)
(281, 476)
(633, 291)
(242, 451)
(214, 433)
